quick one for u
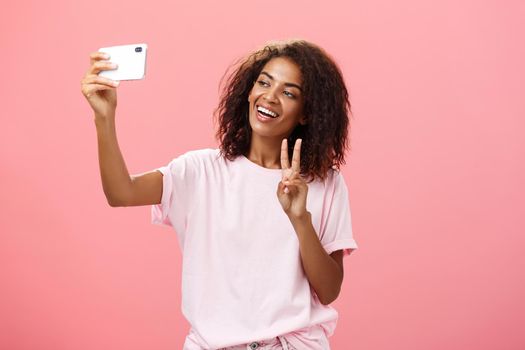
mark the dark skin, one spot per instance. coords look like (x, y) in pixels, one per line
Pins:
(325, 272)
(278, 88)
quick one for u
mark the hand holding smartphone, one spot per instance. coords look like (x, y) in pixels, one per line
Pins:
(130, 60)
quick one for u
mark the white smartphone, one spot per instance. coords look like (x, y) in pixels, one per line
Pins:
(130, 60)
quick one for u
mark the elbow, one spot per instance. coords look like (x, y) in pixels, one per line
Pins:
(330, 298)
(115, 202)
(112, 203)
(326, 302)
(118, 199)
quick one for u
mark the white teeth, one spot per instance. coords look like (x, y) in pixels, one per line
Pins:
(267, 111)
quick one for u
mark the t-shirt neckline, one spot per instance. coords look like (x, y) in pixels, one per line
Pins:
(256, 166)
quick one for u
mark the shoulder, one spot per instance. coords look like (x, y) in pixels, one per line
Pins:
(333, 178)
(333, 183)
(204, 160)
(194, 159)
(202, 155)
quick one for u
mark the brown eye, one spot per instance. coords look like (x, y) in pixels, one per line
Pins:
(262, 83)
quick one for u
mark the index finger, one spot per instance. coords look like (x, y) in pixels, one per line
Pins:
(97, 56)
(296, 158)
(285, 163)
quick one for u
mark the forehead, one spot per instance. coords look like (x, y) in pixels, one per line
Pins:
(283, 69)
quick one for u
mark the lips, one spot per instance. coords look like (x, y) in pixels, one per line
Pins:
(266, 111)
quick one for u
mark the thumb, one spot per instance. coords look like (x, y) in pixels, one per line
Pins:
(282, 187)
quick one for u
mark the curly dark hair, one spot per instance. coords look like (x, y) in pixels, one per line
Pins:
(326, 106)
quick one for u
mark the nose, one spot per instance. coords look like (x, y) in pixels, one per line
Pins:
(270, 96)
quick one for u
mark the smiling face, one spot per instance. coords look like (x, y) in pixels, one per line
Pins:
(276, 99)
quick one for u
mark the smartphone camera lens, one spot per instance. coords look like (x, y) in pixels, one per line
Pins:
(138, 49)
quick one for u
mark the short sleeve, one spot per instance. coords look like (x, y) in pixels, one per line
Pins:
(178, 177)
(337, 233)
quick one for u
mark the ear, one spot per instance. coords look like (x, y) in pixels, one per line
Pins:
(302, 120)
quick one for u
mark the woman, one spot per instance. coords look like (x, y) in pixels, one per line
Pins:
(264, 220)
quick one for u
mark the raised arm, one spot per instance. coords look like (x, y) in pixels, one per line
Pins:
(120, 188)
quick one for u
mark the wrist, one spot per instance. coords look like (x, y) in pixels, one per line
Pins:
(104, 123)
(101, 117)
(300, 218)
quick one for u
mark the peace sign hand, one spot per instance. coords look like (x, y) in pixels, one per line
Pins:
(292, 189)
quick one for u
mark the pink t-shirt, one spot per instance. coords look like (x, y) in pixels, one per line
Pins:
(242, 277)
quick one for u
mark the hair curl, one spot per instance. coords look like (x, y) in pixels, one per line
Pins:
(326, 106)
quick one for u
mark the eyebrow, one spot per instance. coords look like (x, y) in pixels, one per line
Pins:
(285, 84)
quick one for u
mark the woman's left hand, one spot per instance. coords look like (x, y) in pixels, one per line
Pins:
(292, 189)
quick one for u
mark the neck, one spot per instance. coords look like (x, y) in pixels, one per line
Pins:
(265, 151)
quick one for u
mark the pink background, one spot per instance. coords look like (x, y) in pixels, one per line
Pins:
(436, 172)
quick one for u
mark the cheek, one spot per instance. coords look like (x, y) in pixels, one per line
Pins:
(255, 90)
(252, 96)
(294, 110)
